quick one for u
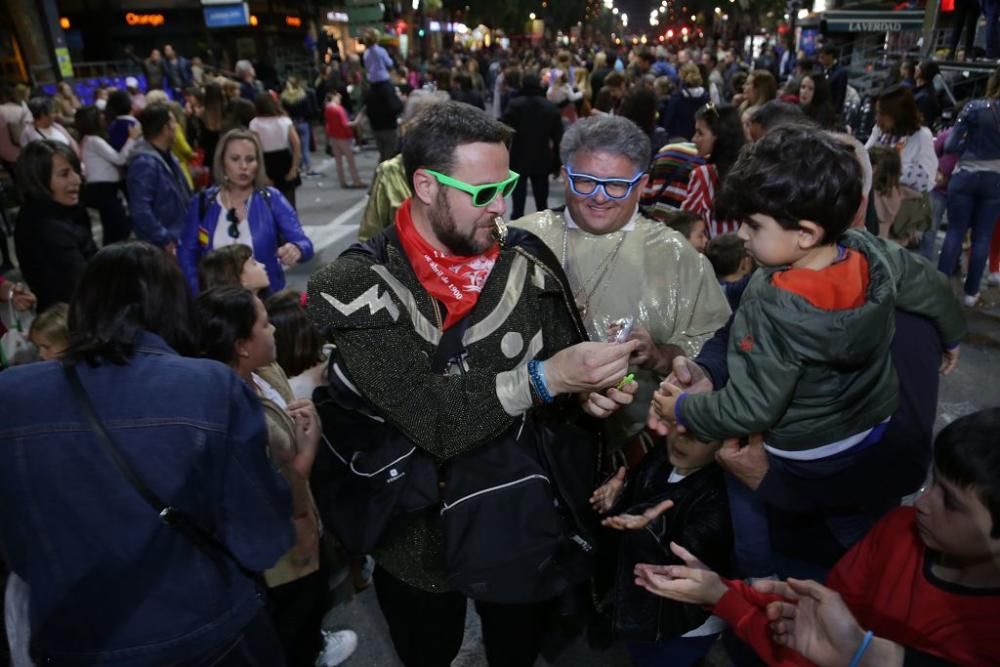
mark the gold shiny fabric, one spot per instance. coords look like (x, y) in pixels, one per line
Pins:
(655, 277)
(388, 192)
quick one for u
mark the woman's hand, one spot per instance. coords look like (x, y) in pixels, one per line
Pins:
(289, 254)
(308, 430)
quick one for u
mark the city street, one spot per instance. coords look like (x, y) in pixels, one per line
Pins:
(331, 216)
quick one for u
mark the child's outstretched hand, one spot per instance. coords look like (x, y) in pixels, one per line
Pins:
(664, 401)
(633, 522)
(692, 582)
(606, 495)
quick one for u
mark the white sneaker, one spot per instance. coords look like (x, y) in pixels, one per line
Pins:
(993, 279)
(337, 647)
(971, 299)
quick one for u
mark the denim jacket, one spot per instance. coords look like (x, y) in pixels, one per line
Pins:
(273, 222)
(976, 135)
(110, 583)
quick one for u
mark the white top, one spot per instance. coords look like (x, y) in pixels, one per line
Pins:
(268, 392)
(102, 162)
(32, 133)
(920, 162)
(222, 238)
(273, 132)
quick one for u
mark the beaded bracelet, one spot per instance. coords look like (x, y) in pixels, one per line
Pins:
(856, 660)
(538, 381)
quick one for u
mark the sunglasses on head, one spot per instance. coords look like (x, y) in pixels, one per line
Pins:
(234, 223)
(482, 195)
(585, 185)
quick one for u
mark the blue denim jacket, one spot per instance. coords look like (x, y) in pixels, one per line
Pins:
(976, 135)
(158, 194)
(110, 583)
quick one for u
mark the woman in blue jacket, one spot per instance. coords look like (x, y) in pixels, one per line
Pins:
(974, 188)
(242, 210)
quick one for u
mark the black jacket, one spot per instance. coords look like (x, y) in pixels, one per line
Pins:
(837, 76)
(926, 98)
(53, 243)
(698, 521)
(538, 130)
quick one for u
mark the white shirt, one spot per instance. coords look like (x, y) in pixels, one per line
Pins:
(32, 133)
(222, 238)
(102, 162)
(273, 132)
(920, 162)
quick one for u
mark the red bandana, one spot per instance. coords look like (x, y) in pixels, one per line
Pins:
(454, 281)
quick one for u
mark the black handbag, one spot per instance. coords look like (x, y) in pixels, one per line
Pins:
(168, 514)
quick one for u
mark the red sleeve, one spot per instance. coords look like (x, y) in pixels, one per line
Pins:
(745, 610)
(700, 192)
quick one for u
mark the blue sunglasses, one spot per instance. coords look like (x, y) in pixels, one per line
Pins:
(585, 185)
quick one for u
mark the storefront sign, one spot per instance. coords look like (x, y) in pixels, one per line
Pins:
(151, 20)
(337, 17)
(868, 21)
(226, 16)
(293, 21)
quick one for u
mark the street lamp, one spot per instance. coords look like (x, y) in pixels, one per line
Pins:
(625, 19)
(531, 16)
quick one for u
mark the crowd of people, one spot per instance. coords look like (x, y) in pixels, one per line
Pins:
(684, 409)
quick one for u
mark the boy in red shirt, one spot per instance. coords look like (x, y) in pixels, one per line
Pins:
(924, 582)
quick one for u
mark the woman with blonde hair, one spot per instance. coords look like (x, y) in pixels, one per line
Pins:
(678, 120)
(242, 209)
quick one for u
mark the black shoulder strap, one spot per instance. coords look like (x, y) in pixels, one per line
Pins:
(171, 516)
(202, 207)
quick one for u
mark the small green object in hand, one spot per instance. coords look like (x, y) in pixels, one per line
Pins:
(628, 379)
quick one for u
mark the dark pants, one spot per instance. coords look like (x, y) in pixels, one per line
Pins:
(966, 16)
(114, 220)
(297, 610)
(427, 628)
(539, 187)
(991, 10)
(675, 652)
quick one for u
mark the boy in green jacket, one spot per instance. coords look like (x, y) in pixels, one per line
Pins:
(808, 351)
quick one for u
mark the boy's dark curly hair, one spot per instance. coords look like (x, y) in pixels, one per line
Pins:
(794, 174)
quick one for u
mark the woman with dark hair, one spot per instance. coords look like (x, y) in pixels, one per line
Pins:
(899, 125)
(280, 143)
(110, 581)
(639, 106)
(235, 330)
(232, 265)
(238, 114)
(816, 101)
(211, 119)
(103, 165)
(718, 136)
(52, 236)
(242, 210)
(118, 114)
(299, 343)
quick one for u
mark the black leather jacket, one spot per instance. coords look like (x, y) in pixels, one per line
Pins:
(698, 521)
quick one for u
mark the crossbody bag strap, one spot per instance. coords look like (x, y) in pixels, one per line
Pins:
(169, 515)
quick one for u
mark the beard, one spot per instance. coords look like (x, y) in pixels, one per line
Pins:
(444, 228)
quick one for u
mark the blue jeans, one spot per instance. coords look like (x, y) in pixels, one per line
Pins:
(751, 530)
(991, 10)
(939, 204)
(973, 202)
(304, 131)
(676, 652)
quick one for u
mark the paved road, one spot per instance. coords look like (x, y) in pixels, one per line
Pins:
(331, 216)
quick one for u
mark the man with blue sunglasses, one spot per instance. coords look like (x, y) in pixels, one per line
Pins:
(625, 269)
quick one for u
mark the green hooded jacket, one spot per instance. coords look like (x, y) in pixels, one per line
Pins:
(806, 377)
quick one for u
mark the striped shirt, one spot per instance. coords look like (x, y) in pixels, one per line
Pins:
(700, 199)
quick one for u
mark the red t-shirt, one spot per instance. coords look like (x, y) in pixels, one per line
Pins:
(887, 582)
(337, 123)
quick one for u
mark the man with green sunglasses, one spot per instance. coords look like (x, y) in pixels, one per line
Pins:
(458, 351)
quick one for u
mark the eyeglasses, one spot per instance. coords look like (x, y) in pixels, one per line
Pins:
(234, 223)
(585, 185)
(482, 195)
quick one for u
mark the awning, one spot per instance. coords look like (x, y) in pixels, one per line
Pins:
(873, 21)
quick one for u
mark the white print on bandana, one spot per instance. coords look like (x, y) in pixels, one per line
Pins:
(476, 272)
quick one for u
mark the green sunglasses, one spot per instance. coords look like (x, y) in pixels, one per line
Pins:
(482, 195)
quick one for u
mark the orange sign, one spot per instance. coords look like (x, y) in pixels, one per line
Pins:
(293, 21)
(152, 20)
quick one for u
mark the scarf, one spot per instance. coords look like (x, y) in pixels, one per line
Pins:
(453, 280)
